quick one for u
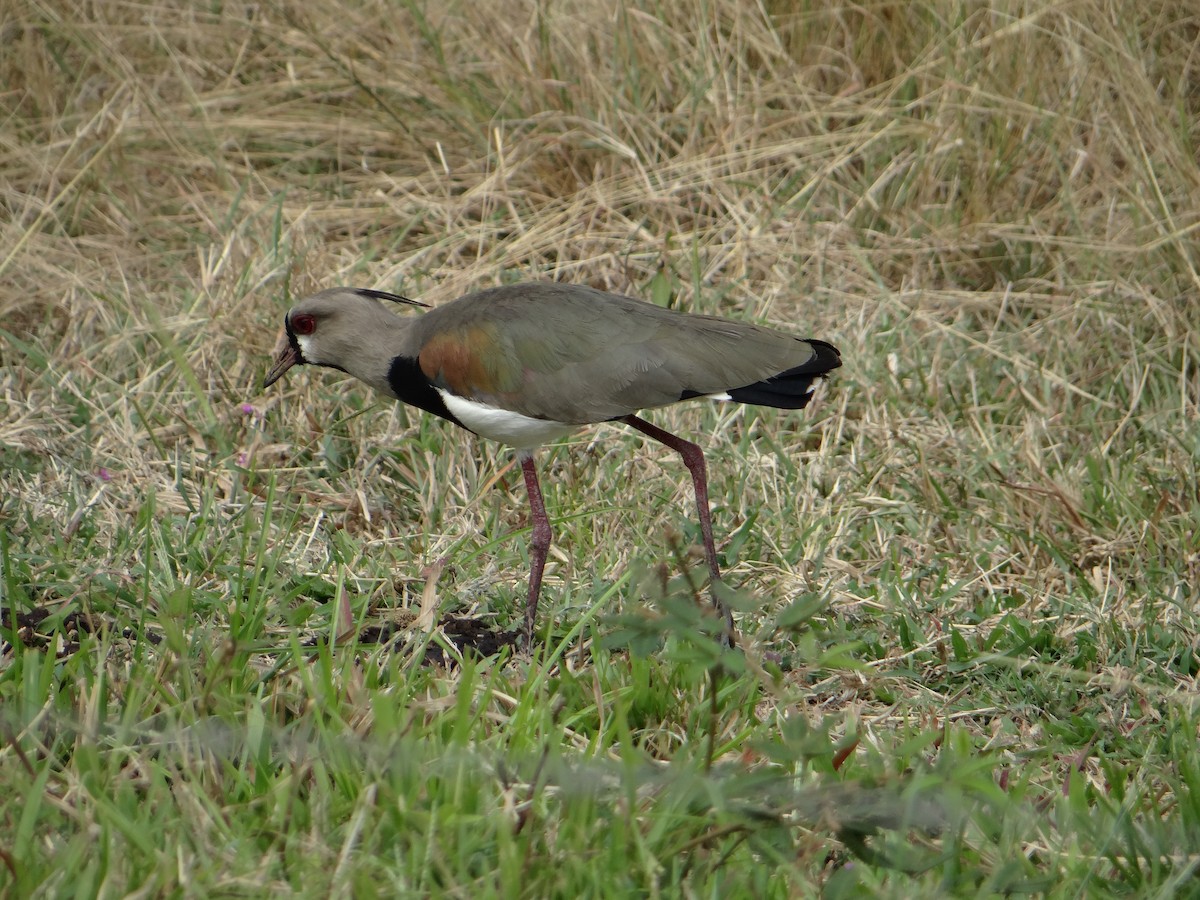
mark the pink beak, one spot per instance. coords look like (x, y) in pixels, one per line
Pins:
(286, 356)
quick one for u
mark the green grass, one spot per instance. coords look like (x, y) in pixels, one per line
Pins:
(965, 579)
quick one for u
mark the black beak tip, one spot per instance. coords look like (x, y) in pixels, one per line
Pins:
(286, 358)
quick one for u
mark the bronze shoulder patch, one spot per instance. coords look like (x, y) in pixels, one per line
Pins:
(467, 361)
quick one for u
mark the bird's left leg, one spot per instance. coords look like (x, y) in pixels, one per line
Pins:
(693, 458)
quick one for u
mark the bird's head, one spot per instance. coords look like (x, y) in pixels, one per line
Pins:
(333, 328)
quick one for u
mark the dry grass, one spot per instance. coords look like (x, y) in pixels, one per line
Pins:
(992, 211)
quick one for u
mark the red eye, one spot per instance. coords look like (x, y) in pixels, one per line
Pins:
(303, 324)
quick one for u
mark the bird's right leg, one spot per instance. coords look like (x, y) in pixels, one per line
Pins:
(539, 546)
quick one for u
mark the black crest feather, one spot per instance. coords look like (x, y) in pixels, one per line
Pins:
(384, 295)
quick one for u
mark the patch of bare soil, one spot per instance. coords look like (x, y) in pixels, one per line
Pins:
(469, 636)
(43, 629)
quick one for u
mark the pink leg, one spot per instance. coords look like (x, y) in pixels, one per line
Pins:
(540, 544)
(693, 458)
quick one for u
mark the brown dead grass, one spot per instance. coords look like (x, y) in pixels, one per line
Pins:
(991, 210)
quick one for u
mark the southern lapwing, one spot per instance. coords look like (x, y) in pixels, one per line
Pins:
(529, 363)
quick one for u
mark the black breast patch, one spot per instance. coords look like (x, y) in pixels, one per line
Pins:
(409, 383)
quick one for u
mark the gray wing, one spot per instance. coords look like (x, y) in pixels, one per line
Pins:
(578, 355)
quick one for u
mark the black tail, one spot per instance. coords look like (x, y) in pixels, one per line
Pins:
(792, 388)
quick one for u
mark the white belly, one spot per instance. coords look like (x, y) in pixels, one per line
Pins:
(505, 426)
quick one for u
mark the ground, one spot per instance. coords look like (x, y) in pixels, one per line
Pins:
(965, 577)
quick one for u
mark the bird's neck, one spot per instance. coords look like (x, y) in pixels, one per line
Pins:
(388, 337)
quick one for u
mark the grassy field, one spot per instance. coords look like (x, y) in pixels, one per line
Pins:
(966, 577)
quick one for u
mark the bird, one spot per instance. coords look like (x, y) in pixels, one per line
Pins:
(526, 364)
